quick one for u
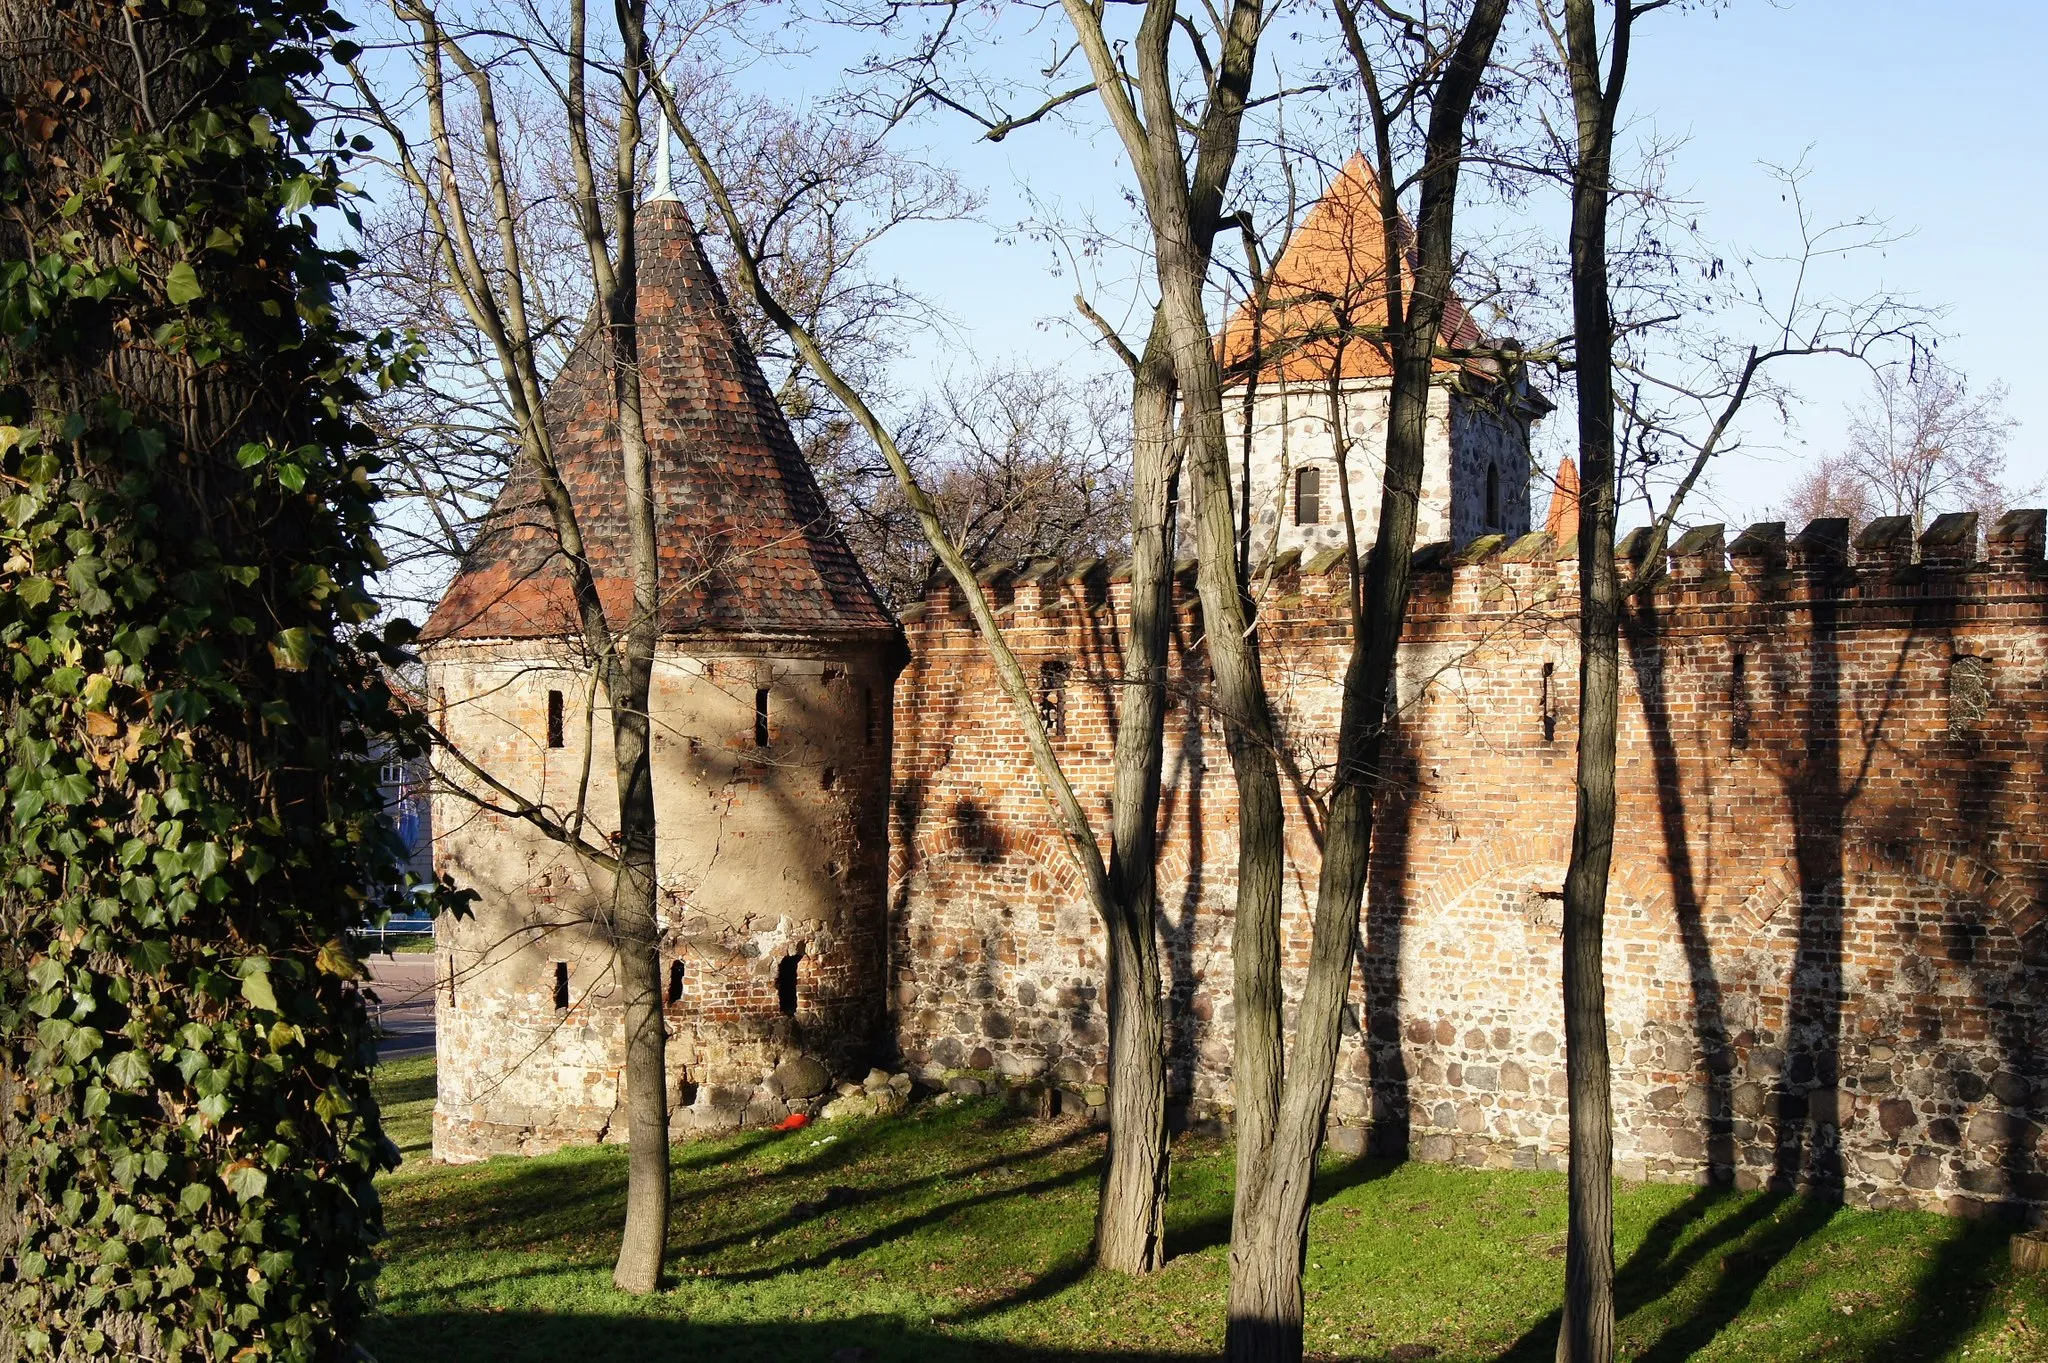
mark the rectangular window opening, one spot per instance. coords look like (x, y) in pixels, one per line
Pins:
(785, 983)
(1549, 703)
(761, 717)
(556, 734)
(1493, 521)
(1308, 497)
(675, 981)
(561, 986)
(1052, 696)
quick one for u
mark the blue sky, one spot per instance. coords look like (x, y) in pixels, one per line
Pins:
(1906, 112)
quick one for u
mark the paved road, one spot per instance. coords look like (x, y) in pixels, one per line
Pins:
(404, 986)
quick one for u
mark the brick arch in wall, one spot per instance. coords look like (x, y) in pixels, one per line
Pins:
(1465, 1054)
(965, 982)
(1543, 858)
(1964, 877)
(988, 842)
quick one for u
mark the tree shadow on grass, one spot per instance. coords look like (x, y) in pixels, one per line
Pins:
(554, 1199)
(1747, 1243)
(540, 1337)
(1210, 1228)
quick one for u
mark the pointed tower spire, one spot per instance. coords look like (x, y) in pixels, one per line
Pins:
(1563, 521)
(664, 191)
(746, 544)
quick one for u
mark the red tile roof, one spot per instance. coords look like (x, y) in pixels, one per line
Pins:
(1328, 287)
(746, 544)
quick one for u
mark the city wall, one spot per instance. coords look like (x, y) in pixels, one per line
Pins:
(1823, 962)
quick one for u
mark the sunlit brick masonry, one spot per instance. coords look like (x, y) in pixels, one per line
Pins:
(1823, 956)
(1824, 966)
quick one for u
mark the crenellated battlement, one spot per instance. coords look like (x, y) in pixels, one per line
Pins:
(1701, 576)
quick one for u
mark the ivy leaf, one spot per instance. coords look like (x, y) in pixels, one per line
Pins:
(130, 1070)
(182, 285)
(292, 649)
(256, 989)
(245, 1180)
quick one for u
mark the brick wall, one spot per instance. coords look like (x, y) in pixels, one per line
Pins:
(1829, 865)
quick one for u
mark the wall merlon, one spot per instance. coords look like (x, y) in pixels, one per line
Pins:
(1886, 544)
(2018, 538)
(1700, 555)
(1759, 551)
(1822, 547)
(1951, 541)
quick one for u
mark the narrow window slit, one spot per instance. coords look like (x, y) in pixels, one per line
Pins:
(675, 981)
(761, 717)
(556, 728)
(1738, 703)
(1549, 703)
(561, 986)
(785, 983)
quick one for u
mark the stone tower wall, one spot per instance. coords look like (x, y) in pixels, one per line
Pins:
(1822, 956)
(766, 855)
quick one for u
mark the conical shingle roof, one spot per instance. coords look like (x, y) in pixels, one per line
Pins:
(745, 542)
(1329, 288)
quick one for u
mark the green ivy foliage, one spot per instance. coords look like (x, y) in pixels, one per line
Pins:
(192, 695)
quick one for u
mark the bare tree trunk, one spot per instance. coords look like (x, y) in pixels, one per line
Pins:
(1130, 1234)
(1131, 1216)
(635, 936)
(1278, 1143)
(1587, 1333)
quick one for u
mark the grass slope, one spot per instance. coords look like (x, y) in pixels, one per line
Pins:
(961, 1233)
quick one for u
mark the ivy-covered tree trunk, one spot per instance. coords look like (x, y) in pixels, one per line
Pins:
(191, 703)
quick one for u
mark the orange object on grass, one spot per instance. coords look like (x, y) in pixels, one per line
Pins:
(795, 1121)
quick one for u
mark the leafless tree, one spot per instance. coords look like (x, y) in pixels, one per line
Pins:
(477, 234)
(1651, 418)
(1925, 440)
(1829, 487)
(1135, 1244)
(1022, 462)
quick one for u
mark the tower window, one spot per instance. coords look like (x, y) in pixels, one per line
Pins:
(1052, 697)
(1308, 496)
(555, 717)
(1493, 521)
(561, 986)
(785, 982)
(675, 980)
(1738, 704)
(1549, 703)
(761, 717)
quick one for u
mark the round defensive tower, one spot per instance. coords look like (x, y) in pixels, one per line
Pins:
(771, 713)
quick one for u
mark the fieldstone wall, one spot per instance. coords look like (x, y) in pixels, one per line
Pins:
(1822, 956)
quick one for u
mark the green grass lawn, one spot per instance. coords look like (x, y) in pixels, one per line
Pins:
(960, 1233)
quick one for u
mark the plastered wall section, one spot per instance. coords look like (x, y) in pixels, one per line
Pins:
(771, 865)
(1823, 960)
(1291, 428)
